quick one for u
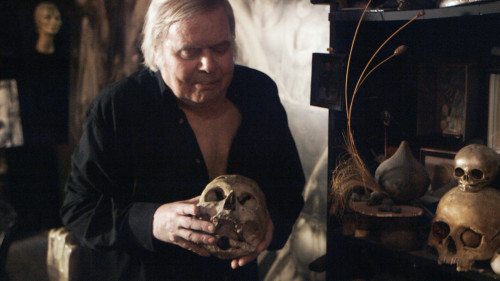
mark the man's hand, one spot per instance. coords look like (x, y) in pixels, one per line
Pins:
(259, 249)
(177, 223)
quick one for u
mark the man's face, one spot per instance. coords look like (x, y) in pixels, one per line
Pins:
(198, 58)
(48, 20)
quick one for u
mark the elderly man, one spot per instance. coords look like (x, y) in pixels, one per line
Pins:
(154, 140)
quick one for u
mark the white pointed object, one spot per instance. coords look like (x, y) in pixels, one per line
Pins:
(402, 176)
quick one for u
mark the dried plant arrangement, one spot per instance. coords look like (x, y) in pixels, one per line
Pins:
(351, 171)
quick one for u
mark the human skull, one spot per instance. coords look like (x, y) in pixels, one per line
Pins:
(466, 227)
(476, 166)
(237, 207)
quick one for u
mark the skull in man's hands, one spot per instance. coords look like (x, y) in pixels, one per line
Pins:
(237, 207)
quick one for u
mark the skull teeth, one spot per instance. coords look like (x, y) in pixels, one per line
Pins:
(221, 220)
(229, 233)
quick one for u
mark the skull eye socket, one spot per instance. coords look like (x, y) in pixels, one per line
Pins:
(459, 172)
(215, 194)
(440, 230)
(247, 200)
(470, 238)
(476, 174)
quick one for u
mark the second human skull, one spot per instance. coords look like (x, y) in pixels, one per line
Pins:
(237, 207)
(475, 167)
(466, 227)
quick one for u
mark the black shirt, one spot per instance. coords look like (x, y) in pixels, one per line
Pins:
(138, 152)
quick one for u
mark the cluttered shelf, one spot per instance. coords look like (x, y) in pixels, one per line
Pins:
(479, 9)
(414, 238)
(448, 50)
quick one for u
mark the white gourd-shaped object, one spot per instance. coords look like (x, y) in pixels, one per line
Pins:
(402, 176)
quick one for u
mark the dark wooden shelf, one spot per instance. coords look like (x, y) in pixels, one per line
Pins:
(479, 9)
(416, 264)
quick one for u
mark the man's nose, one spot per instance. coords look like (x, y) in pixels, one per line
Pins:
(207, 62)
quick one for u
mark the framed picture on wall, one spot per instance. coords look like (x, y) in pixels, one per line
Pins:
(327, 81)
(440, 165)
(494, 112)
(446, 99)
(11, 133)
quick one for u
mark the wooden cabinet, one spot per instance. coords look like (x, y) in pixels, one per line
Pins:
(462, 40)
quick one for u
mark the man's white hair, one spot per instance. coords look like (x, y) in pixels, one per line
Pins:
(163, 13)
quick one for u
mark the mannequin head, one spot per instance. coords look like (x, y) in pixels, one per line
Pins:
(47, 19)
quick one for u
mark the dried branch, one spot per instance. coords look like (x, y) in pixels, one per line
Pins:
(351, 171)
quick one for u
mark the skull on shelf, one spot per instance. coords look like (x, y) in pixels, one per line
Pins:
(237, 207)
(476, 166)
(466, 227)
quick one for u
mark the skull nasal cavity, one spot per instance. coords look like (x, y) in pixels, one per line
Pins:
(230, 203)
(452, 247)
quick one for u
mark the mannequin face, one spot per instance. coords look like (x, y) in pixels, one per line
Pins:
(48, 19)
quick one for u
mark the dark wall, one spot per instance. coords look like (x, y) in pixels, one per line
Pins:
(33, 179)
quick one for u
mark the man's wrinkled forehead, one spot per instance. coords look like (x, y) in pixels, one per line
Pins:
(191, 33)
